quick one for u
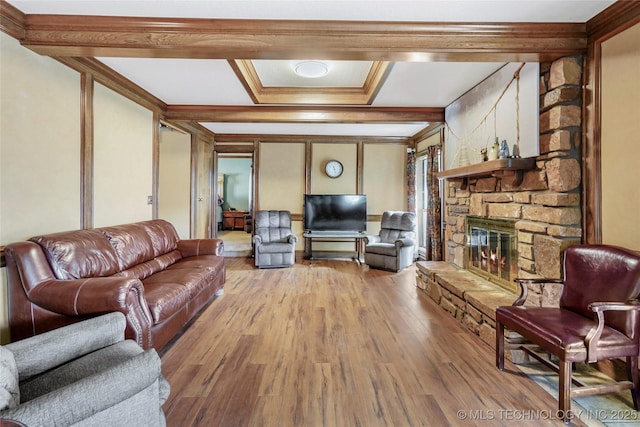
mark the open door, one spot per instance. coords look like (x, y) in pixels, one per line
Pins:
(235, 201)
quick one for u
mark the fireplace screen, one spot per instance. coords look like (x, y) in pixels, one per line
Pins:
(492, 249)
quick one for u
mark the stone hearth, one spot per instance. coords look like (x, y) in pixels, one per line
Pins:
(469, 298)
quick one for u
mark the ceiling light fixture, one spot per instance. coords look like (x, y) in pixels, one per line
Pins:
(311, 69)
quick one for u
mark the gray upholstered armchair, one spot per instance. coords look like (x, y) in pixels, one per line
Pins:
(274, 243)
(84, 374)
(396, 246)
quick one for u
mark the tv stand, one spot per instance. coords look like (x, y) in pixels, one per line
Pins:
(331, 236)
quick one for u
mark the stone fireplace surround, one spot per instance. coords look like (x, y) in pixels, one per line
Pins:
(545, 207)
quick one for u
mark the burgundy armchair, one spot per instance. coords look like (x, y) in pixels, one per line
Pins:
(598, 318)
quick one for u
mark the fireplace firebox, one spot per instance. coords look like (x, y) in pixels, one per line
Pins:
(492, 248)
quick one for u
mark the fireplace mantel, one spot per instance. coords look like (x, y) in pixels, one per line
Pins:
(498, 168)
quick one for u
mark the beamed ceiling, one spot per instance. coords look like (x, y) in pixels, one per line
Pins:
(208, 65)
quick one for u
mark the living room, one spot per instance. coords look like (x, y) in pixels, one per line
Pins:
(65, 129)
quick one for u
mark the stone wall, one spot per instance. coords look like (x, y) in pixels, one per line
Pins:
(546, 204)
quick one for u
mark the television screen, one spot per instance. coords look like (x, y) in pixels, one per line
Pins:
(335, 212)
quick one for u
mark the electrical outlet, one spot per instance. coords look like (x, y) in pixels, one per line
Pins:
(149, 200)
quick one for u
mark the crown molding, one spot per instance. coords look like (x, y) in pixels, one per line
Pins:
(303, 114)
(76, 35)
(12, 21)
(614, 19)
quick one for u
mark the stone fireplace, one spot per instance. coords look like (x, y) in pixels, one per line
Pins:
(543, 204)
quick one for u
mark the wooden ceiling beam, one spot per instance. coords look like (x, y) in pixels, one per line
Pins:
(301, 114)
(73, 35)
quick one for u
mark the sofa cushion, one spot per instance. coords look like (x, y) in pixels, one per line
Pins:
(146, 269)
(164, 297)
(198, 272)
(193, 280)
(131, 243)
(211, 263)
(9, 387)
(163, 236)
(79, 254)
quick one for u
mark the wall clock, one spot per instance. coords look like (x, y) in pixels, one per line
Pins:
(333, 168)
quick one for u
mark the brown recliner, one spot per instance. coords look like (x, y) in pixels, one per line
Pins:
(598, 318)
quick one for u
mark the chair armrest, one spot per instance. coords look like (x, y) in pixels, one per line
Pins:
(78, 401)
(524, 290)
(405, 241)
(371, 239)
(42, 352)
(292, 238)
(593, 336)
(615, 306)
(257, 240)
(194, 247)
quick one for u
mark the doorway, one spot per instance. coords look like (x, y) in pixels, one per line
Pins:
(234, 206)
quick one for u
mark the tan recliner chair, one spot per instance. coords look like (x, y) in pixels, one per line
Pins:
(396, 246)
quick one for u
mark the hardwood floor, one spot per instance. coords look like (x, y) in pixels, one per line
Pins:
(338, 344)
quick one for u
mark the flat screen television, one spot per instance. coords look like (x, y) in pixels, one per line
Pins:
(335, 212)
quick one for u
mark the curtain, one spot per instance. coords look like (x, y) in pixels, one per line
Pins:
(411, 181)
(434, 239)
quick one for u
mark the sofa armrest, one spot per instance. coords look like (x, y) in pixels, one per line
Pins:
(95, 295)
(257, 240)
(194, 247)
(99, 295)
(292, 238)
(78, 401)
(42, 352)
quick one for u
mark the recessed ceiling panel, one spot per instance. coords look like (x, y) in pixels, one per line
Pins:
(274, 73)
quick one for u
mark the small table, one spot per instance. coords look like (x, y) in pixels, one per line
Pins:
(332, 236)
(233, 220)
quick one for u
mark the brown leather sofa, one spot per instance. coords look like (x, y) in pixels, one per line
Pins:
(143, 270)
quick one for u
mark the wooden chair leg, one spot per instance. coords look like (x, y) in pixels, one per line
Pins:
(500, 346)
(632, 374)
(564, 389)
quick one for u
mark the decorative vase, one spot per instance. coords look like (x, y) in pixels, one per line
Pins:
(493, 151)
(504, 149)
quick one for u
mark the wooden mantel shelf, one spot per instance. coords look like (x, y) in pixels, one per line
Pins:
(498, 168)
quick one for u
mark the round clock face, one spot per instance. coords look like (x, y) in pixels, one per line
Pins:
(333, 168)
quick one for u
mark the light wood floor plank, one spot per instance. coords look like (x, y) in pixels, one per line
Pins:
(334, 343)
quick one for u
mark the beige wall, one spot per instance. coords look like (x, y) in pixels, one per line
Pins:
(620, 148)
(384, 177)
(174, 182)
(123, 159)
(281, 181)
(40, 146)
